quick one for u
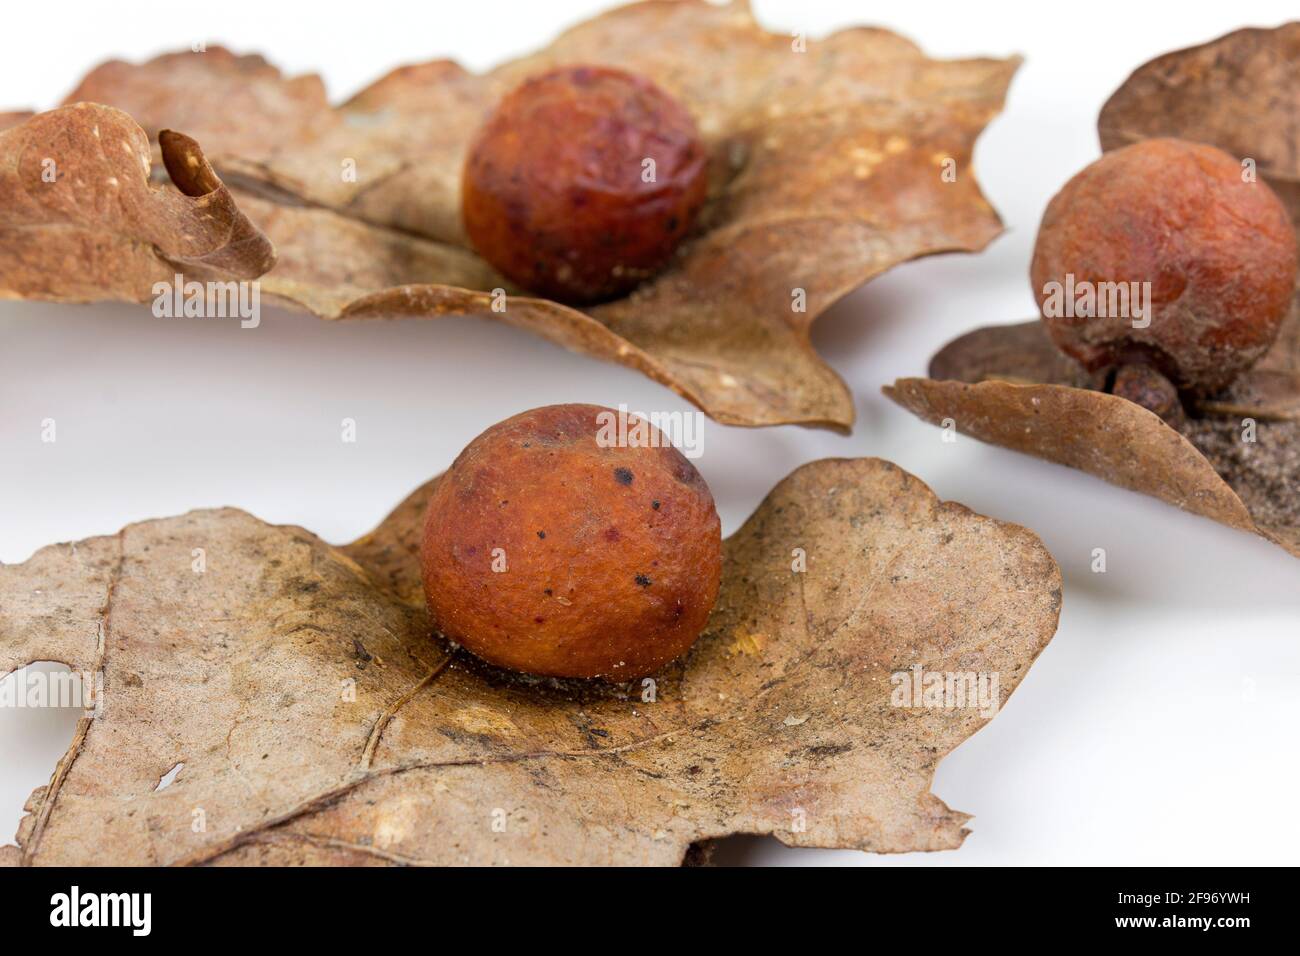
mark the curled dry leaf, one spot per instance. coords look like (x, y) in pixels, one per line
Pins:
(827, 167)
(1008, 385)
(315, 720)
(80, 221)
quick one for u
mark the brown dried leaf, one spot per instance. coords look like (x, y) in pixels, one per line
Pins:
(14, 118)
(826, 171)
(1240, 92)
(79, 220)
(1009, 386)
(781, 713)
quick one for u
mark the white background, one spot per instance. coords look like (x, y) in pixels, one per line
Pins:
(1159, 726)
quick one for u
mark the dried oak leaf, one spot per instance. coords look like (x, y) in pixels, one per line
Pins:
(1240, 92)
(827, 168)
(316, 720)
(1008, 385)
(80, 221)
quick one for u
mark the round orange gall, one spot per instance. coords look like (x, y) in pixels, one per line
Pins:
(1218, 250)
(550, 549)
(582, 183)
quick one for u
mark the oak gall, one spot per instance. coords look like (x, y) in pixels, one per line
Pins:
(583, 182)
(549, 549)
(1218, 250)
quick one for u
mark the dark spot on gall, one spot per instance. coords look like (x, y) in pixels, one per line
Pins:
(642, 580)
(541, 534)
(624, 475)
(654, 505)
